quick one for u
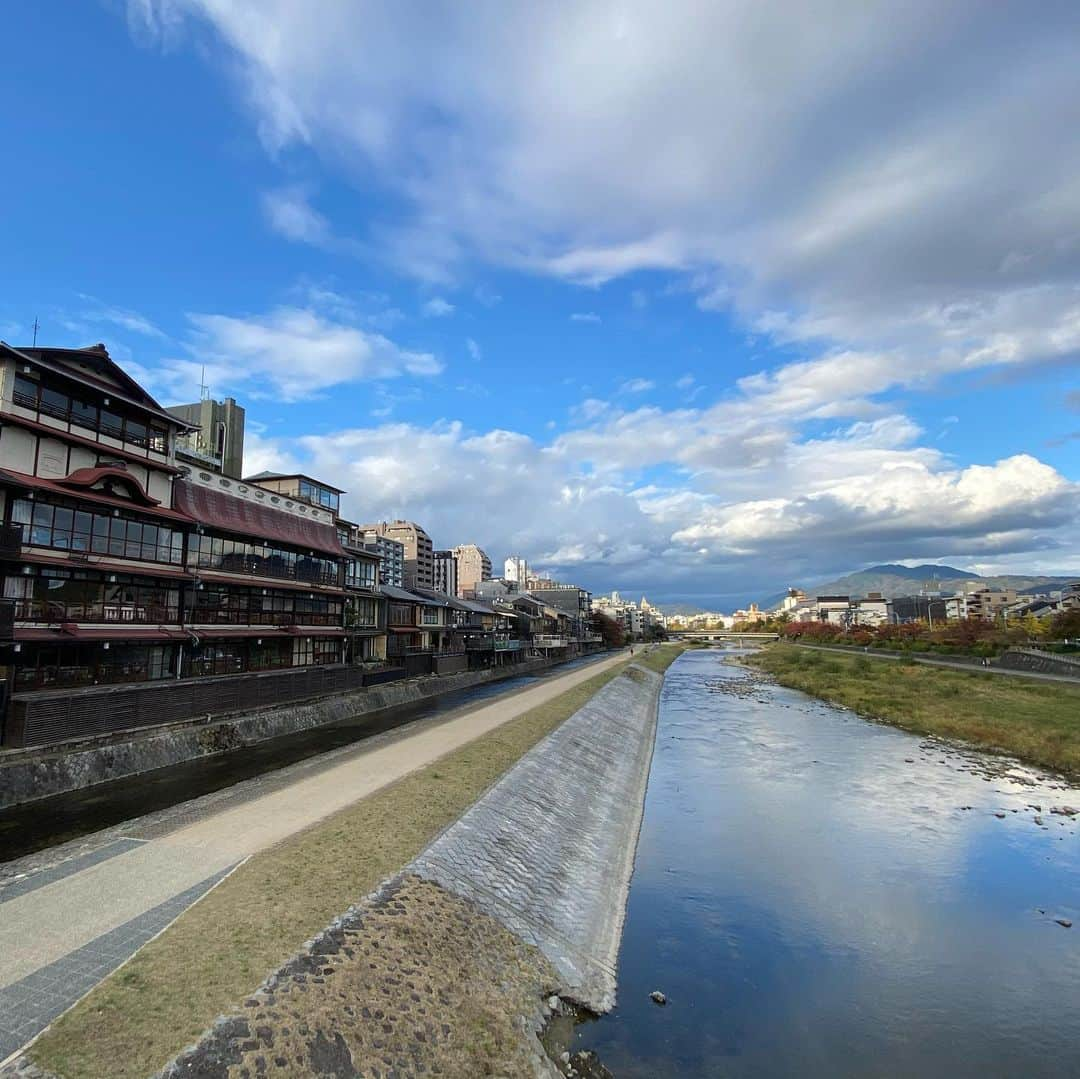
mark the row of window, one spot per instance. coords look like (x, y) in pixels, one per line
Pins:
(263, 560)
(47, 524)
(31, 394)
(211, 606)
(360, 573)
(319, 495)
(88, 664)
(64, 526)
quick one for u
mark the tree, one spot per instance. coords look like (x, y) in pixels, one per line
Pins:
(612, 632)
(1066, 625)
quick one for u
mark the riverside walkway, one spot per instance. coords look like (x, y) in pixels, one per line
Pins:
(66, 926)
(950, 664)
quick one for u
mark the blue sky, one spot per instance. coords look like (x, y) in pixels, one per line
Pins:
(697, 306)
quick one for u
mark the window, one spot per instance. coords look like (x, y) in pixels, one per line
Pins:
(429, 616)
(86, 415)
(54, 403)
(320, 496)
(262, 560)
(26, 392)
(67, 526)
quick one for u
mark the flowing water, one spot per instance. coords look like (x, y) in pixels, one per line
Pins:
(818, 895)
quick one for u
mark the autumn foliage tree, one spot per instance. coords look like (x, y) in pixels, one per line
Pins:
(612, 632)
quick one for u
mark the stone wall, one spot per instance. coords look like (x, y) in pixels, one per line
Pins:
(1032, 659)
(27, 775)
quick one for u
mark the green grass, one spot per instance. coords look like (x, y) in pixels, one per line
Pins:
(661, 657)
(221, 949)
(1036, 721)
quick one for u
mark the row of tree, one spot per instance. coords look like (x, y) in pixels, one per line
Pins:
(971, 635)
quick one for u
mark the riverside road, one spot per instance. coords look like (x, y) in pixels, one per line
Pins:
(67, 925)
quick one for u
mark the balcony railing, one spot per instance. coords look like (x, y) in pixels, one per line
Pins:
(50, 611)
(549, 640)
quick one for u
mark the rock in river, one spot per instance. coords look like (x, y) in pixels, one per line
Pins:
(657, 997)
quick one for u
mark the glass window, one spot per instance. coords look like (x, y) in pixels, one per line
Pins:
(84, 414)
(159, 440)
(135, 432)
(111, 424)
(54, 402)
(26, 391)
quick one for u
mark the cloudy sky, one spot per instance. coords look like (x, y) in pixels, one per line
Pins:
(695, 299)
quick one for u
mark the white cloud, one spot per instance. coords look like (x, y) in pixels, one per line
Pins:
(475, 351)
(637, 385)
(884, 187)
(866, 492)
(437, 307)
(291, 353)
(836, 200)
(685, 382)
(290, 213)
(585, 316)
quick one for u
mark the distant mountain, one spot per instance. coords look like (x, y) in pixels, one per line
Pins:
(684, 609)
(893, 580)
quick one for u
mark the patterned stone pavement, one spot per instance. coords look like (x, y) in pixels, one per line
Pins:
(30, 1004)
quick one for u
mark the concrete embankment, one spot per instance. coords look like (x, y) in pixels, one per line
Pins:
(464, 953)
(26, 775)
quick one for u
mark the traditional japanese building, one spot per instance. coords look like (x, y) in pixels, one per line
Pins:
(121, 565)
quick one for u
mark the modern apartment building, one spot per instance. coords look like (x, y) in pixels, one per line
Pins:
(446, 573)
(214, 440)
(419, 552)
(473, 566)
(391, 554)
(984, 603)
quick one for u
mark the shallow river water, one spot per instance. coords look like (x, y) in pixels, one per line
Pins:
(818, 895)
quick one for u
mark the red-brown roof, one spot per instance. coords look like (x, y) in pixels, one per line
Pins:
(39, 483)
(219, 510)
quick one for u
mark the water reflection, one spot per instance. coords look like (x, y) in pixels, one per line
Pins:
(815, 897)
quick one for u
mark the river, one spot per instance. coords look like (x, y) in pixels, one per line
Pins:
(819, 895)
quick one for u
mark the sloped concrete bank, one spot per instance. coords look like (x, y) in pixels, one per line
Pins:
(27, 775)
(456, 965)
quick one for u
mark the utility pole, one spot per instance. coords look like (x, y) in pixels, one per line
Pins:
(36, 328)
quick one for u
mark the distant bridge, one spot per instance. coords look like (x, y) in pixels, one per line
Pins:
(719, 635)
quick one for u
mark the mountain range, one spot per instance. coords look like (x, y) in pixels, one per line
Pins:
(893, 580)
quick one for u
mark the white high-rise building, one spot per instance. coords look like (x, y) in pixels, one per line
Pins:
(516, 568)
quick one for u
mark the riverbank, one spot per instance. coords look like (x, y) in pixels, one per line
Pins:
(34, 774)
(1036, 722)
(220, 949)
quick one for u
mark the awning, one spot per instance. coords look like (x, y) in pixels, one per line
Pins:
(226, 512)
(85, 561)
(101, 633)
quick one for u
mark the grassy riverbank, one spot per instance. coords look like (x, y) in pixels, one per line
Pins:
(217, 952)
(1038, 722)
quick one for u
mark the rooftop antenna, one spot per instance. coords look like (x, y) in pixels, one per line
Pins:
(204, 390)
(36, 328)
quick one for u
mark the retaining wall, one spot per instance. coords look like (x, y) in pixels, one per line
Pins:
(28, 775)
(1032, 659)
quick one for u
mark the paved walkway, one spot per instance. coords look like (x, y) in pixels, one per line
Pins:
(954, 665)
(90, 914)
